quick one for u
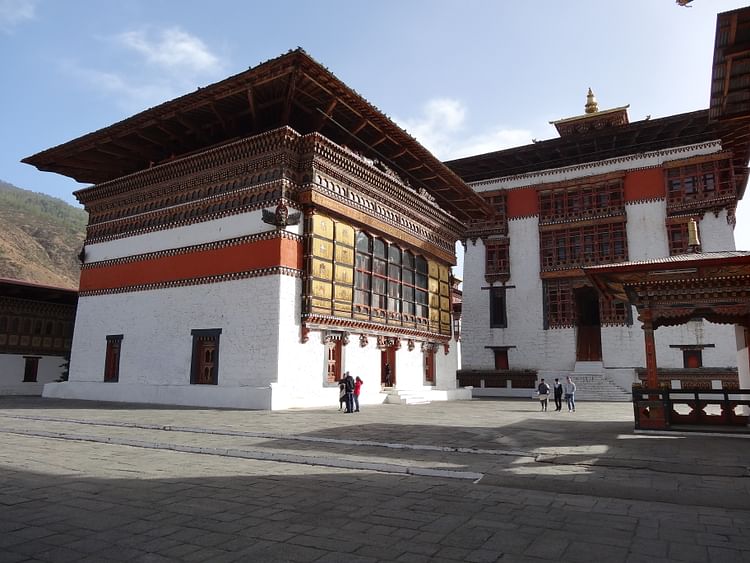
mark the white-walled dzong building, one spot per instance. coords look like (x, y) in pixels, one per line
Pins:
(605, 191)
(250, 242)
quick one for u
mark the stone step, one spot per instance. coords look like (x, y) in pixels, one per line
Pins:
(406, 397)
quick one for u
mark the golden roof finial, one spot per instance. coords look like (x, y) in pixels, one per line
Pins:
(591, 104)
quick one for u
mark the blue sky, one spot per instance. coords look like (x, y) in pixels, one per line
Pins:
(464, 77)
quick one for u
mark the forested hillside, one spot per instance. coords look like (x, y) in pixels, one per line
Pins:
(40, 237)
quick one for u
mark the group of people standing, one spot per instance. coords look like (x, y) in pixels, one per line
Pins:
(567, 389)
(349, 389)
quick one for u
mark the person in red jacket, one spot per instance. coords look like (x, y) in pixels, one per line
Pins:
(357, 388)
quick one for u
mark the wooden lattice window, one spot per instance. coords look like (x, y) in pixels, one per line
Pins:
(387, 278)
(497, 261)
(559, 304)
(578, 202)
(579, 246)
(694, 185)
(204, 369)
(31, 368)
(613, 312)
(112, 358)
(497, 222)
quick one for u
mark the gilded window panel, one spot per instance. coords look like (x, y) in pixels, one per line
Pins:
(434, 286)
(434, 301)
(322, 248)
(445, 317)
(344, 274)
(322, 226)
(344, 255)
(342, 309)
(444, 291)
(443, 270)
(321, 306)
(433, 269)
(321, 289)
(321, 269)
(342, 293)
(434, 315)
(445, 304)
(344, 234)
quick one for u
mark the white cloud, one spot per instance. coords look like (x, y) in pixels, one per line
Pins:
(162, 64)
(442, 129)
(130, 95)
(172, 49)
(13, 12)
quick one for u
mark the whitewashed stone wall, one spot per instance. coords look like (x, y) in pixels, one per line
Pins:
(156, 350)
(647, 230)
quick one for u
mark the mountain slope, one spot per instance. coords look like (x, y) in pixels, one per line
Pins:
(40, 237)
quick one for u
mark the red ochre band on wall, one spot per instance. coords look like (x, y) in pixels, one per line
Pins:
(647, 184)
(522, 203)
(199, 264)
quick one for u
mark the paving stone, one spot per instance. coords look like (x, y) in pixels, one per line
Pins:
(645, 500)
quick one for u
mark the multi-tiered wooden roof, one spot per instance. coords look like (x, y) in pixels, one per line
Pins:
(727, 120)
(292, 90)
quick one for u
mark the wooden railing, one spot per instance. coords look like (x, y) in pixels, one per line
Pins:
(655, 409)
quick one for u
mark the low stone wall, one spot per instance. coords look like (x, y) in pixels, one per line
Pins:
(498, 382)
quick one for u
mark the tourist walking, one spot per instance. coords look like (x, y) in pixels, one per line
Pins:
(569, 389)
(557, 391)
(543, 391)
(357, 388)
(349, 389)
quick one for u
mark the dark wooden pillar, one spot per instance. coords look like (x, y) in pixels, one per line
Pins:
(652, 379)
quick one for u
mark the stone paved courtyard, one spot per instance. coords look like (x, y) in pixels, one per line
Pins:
(466, 481)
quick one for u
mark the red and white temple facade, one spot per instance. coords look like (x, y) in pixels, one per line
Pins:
(606, 191)
(251, 242)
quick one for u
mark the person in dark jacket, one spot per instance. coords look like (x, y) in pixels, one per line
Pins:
(349, 389)
(557, 390)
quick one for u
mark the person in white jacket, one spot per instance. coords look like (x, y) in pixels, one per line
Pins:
(569, 391)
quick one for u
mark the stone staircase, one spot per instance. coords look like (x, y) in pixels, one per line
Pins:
(406, 396)
(592, 384)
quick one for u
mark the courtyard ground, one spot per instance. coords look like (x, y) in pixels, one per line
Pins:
(463, 481)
